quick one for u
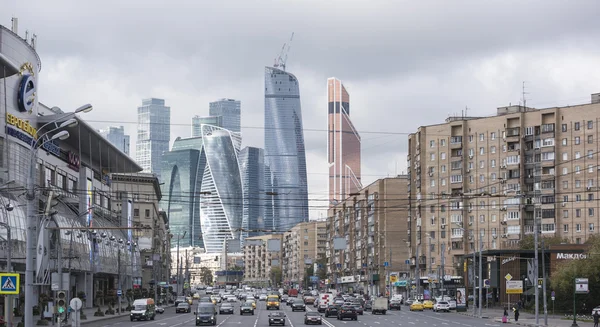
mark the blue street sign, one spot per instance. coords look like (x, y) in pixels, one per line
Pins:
(339, 265)
(385, 264)
(9, 283)
(407, 261)
(553, 294)
(119, 292)
(364, 265)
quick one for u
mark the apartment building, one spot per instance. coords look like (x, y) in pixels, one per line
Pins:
(262, 260)
(374, 224)
(303, 245)
(485, 179)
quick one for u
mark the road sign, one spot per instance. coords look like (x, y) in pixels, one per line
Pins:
(581, 285)
(54, 287)
(119, 292)
(552, 294)
(186, 285)
(514, 287)
(414, 287)
(486, 283)
(9, 283)
(553, 298)
(407, 262)
(540, 282)
(508, 277)
(75, 304)
(386, 264)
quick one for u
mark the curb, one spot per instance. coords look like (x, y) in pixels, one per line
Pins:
(85, 322)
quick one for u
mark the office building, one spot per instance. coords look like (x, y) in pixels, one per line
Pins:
(285, 157)
(373, 226)
(153, 134)
(230, 111)
(262, 260)
(197, 122)
(484, 179)
(303, 246)
(252, 168)
(221, 205)
(117, 136)
(343, 144)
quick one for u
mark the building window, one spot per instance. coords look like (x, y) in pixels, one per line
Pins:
(470, 138)
(590, 139)
(493, 176)
(590, 124)
(493, 149)
(564, 127)
(136, 212)
(481, 137)
(577, 140)
(431, 144)
(565, 156)
(481, 150)
(577, 213)
(443, 156)
(443, 142)
(565, 170)
(576, 127)
(565, 213)
(591, 212)
(564, 142)
(443, 168)
(493, 135)
(577, 155)
(443, 182)
(147, 213)
(591, 227)
(590, 154)
(565, 228)
(432, 156)
(493, 163)
(578, 228)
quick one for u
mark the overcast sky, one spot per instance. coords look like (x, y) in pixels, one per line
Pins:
(405, 63)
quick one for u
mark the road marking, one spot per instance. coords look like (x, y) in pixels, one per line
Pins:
(154, 322)
(377, 322)
(410, 322)
(444, 323)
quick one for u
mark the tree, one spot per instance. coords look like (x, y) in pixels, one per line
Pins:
(322, 270)
(206, 276)
(275, 276)
(527, 243)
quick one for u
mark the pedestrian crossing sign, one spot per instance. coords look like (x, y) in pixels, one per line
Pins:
(9, 283)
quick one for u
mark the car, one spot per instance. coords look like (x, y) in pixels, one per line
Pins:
(252, 303)
(380, 305)
(183, 307)
(416, 306)
(206, 313)
(290, 301)
(331, 310)
(196, 296)
(395, 305)
(262, 297)
(298, 305)
(309, 299)
(226, 308)
(452, 304)
(441, 306)
(358, 307)
(428, 304)
(596, 309)
(190, 300)
(368, 305)
(246, 308)
(312, 317)
(277, 318)
(347, 311)
(205, 299)
(273, 302)
(180, 299)
(284, 298)
(159, 309)
(409, 301)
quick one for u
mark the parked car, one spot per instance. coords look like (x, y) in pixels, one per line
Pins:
(596, 309)
(409, 301)
(452, 304)
(380, 306)
(312, 317)
(298, 305)
(441, 306)
(347, 311)
(226, 308)
(183, 307)
(277, 318)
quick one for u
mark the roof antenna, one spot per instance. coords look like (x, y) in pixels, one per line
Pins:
(524, 98)
(282, 57)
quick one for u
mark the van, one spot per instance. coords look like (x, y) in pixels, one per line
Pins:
(273, 302)
(143, 309)
(206, 313)
(380, 305)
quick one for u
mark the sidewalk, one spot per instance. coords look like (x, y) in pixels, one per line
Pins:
(88, 312)
(525, 319)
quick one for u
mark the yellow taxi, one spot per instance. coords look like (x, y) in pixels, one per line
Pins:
(196, 296)
(251, 301)
(273, 302)
(428, 304)
(416, 306)
(213, 299)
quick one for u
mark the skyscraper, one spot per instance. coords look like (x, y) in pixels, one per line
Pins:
(285, 157)
(221, 210)
(197, 122)
(343, 144)
(153, 135)
(252, 168)
(117, 137)
(230, 110)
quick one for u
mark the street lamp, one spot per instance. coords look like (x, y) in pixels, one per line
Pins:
(32, 221)
(179, 237)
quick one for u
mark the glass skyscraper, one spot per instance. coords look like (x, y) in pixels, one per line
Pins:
(285, 157)
(343, 144)
(252, 168)
(117, 137)
(153, 134)
(221, 204)
(230, 110)
(197, 122)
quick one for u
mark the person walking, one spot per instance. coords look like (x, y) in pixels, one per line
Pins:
(505, 316)
(516, 310)
(596, 316)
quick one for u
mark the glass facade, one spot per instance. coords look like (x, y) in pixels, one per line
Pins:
(230, 110)
(221, 210)
(284, 150)
(197, 122)
(117, 137)
(252, 169)
(153, 134)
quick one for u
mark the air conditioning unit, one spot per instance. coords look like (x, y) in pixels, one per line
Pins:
(470, 224)
(468, 170)
(470, 209)
(504, 236)
(502, 166)
(503, 223)
(564, 204)
(503, 209)
(470, 237)
(495, 236)
(470, 156)
(443, 226)
(589, 188)
(430, 174)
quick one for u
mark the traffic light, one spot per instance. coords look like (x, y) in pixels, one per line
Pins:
(61, 301)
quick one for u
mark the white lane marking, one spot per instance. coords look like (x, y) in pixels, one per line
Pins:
(377, 322)
(466, 325)
(444, 323)
(410, 322)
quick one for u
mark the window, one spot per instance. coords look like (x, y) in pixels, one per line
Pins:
(456, 179)
(481, 150)
(565, 213)
(493, 204)
(470, 138)
(590, 168)
(548, 142)
(457, 232)
(494, 218)
(443, 168)
(493, 163)
(590, 124)
(577, 140)
(590, 139)
(481, 164)
(548, 156)
(565, 156)
(578, 228)
(482, 205)
(147, 213)
(471, 152)
(136, 212)
(577, 169)
(590, 154)
(443, 142)
(493, 135)
(432, 156)
(577, 213)
(512, 230)
(443, 156)
(493, 149)
(591, 212)
(565, 170)
(577, 183)
(443, 181)
(566, 228)
(577, 197)
(443, 208)
(493, 176)
(576, 126)
(564, 141)
(513, 215)
(494, 245)
(577, 155)
(590, 183)
(482, 218)
(564, 127)
(481, 137)
(591, 227)
(433, 220)
(443, 234)
(481, 178)
(493, 190)
(432, 183)
(578, 240)
(431, 144)
(513, 160)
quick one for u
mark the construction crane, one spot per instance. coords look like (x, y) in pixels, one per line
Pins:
(282, 57)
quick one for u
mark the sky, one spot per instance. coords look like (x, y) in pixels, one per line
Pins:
(405, 63)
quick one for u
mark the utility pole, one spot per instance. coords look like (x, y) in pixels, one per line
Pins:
(418, 273)
(544, 283)
(480, 276)
(119, 274)
(474, 281)
(535, 263)
(443, 273)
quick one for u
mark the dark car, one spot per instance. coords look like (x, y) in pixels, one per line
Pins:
(246, 308)
(312, 318)
(183, 307)
(358, 307)
(395, 305)
(290, 301)
(180, 299)
(298, 305)
(277, 318)
(205, 299)
(347, 311)
(368, 305)
(226, 308)
(331, 310)
(206, 313)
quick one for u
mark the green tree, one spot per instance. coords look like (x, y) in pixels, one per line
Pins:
(206, 276)
(528, 241)
(275, 276)
(322, 271)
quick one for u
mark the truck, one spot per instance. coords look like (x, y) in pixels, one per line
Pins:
(143, 309)
(292, 292)
(380, 305)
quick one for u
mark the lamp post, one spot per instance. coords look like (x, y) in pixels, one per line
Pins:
(32, 221)
(179, 237)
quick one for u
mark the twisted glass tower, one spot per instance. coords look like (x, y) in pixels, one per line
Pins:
(285, 158)
(221, 204)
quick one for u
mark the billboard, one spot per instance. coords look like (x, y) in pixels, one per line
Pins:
(514, 287)
(461, 298)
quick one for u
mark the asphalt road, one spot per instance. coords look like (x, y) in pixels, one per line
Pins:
(403, 318)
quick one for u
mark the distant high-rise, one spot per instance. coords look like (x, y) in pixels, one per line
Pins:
(252, 167)
(117, 137)
(230, 110)
(343, 144)
(197, 122)
(153, 134)
(285, 158)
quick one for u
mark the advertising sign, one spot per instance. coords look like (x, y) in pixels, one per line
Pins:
(581, 285)
(460, 298)
(514, 287)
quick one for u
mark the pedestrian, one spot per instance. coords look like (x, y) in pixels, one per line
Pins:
(505, 316)
(596, 316)
(516, 314)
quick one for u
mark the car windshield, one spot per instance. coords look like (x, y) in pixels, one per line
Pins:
(442, 302)
(182, 305)
(276, 314)
(181, 298)
(140, 307)
(225, 305)
(203, 309)
(298, 301)
(312, 313)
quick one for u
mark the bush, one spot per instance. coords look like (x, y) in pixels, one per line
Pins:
(99, 313)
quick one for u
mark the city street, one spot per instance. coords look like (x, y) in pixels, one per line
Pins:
(260, 318)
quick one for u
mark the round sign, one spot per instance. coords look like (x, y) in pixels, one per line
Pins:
(553, 294)
(75, 304)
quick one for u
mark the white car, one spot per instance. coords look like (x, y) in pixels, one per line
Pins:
(596, 309)
(452, 304)
(441, 306)
(262, 297)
